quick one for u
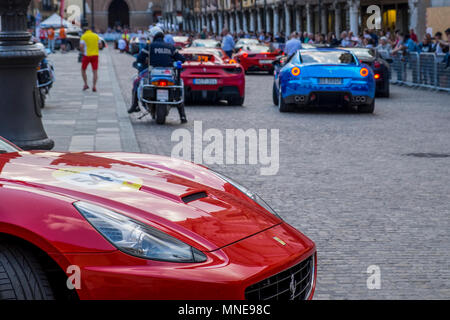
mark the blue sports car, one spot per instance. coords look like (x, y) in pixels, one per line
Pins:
(323, 76)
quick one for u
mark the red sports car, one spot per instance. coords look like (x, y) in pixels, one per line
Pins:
(181, 42)
(207, 76)
(135, 226)
(257, 58)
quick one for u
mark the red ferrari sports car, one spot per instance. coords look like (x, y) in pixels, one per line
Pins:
(207, 76)
(256, 58)
(134, 226)
(181, 42)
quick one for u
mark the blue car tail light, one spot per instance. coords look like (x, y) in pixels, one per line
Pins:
(364, 72)
(295, 71)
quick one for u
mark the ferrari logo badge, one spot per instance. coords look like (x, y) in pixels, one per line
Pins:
(292, 287)
(279, 240)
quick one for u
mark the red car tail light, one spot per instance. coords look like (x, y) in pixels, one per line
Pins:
(376, 65)
(376, 76)
(162, 83)
(245, 54)
(364, 72)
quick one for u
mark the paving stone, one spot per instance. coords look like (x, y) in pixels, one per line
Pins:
(71, 111)
(346, 182)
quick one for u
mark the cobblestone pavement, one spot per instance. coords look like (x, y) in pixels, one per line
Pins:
(359, 185)
(345, 180)
(84, 120)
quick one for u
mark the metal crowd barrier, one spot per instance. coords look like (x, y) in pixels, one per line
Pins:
(427, 70)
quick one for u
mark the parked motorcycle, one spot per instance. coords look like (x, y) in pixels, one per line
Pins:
(45, 79)
(162, 89)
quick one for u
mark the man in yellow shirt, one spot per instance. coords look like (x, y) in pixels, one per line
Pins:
(89, 46)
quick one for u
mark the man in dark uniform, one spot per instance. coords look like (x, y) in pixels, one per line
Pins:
(161, 54)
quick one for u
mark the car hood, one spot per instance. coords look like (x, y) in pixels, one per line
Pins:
(187, 199)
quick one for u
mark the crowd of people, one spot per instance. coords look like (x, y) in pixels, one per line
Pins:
(48, 37)
(393, 42)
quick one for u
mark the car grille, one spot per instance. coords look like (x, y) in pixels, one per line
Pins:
(291, 284)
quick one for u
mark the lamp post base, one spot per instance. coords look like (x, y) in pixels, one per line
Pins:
(44, 144)
(20, 111)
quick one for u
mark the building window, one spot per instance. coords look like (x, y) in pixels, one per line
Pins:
(47, 5)
(389, 19)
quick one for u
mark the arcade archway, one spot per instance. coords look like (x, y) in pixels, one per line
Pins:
(118, 14)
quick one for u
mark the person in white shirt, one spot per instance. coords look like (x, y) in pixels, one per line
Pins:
(122, 45)
(293, 45)
(344, 40)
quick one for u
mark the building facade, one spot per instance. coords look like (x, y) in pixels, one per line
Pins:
(45, 7)
(135, 14)
(288, 15)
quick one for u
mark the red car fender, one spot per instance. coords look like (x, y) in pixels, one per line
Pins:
(54, 225)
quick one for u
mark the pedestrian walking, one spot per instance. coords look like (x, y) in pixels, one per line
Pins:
(204, 33)
(89, 45)
(51, 39)
(293, 45)
(122, 45)
(42, 35)
(63, 38)
(227, 42)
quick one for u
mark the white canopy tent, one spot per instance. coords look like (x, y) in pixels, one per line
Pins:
(55, 21)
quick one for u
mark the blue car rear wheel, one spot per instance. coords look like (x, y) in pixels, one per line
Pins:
(275, 94)
(283, 106)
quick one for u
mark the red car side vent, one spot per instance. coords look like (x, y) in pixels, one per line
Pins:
(194, 196)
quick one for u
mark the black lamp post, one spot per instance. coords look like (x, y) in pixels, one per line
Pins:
(20, 111)
(92, 15)
(84, 20)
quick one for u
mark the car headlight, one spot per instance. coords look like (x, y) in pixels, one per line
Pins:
(248, 193)
(136, 238)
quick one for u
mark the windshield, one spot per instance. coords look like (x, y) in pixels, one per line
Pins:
(258, 49)
(180, 39)
(205, 43)
(248, 41)
(327, 57)
(6, 147)
(362, 53)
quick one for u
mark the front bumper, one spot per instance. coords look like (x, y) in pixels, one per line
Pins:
(222, 93)
(232, 86)
(353, 92)
(226, 274)
(254, 65)
(326, 98)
